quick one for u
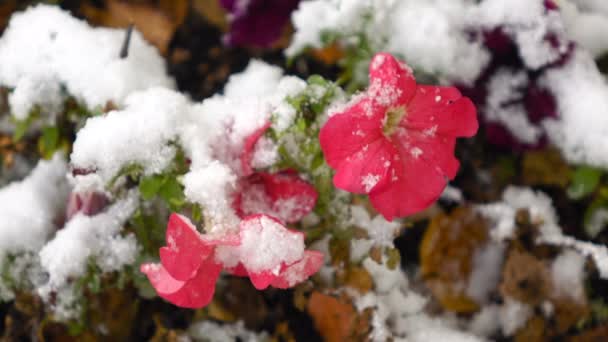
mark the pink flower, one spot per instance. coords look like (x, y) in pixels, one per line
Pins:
(264, 250)
(283, 195)
(395, 142)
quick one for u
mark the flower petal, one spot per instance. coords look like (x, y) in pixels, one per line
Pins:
(185, 250)
(194, 293)
(299, 271)
(348, 132)
(414, 186)
(368, 169)
(441, 110)
(392, 82)
(249, 147)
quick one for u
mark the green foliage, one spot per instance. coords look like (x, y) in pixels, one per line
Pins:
(584, 181)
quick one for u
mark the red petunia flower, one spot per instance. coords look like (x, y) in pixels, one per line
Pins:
(270, 254)
(264, 250)
(396, 141)
(283, 195)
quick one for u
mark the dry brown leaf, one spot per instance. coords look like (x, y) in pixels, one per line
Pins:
(157, 21)
(446, 256)
(334, 318)
(545, 167)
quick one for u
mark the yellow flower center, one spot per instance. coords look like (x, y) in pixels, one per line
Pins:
(393, 117)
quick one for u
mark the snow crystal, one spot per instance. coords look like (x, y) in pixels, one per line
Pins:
(486, 322)
(45, 50)
(568, 271)
(369, 181)
(29, 208)
(598, 253)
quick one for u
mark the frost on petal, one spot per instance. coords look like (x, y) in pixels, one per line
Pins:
(391, 81)
(270, 254)
(248, 149)
(441, 110)
(194, 293)
(366, 170)
(185, 251)
(347, 133)
(283, 195)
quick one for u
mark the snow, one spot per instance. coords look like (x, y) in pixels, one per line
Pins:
(568, 271)
(153, 123)
(29, 208)
(513, 315)
(430, 35)
(581, 92)
(265, 245)
(138, 134)
(586, 23)
(503, 107)
(84, 237)
(515, 198)
(215, 332)
(46, 55)
(542, 213)
(486, 273)
(528, 23)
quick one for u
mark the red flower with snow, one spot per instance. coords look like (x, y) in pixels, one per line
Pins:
(264, 250)
(283, 195)
(396, 141)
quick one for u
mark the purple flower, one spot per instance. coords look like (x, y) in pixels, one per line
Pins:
(257, 22)
(528, 96)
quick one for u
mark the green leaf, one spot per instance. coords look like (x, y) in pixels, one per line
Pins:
(172, 192)
(150, 186)
(48, 142)
(584, 181)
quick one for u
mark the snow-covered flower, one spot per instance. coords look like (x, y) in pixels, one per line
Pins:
(283, 195)
(395, 142)
(264, 250)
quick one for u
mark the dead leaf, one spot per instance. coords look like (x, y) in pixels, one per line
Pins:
(157, 21)
(446, 256)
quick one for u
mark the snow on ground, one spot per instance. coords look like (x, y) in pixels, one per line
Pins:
(543, 214)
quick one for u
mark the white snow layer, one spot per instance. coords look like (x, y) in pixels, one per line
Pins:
(146, 131)
(46, 55)
(29, 208)
(429, 34)
(581, 92)
(83, 237)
